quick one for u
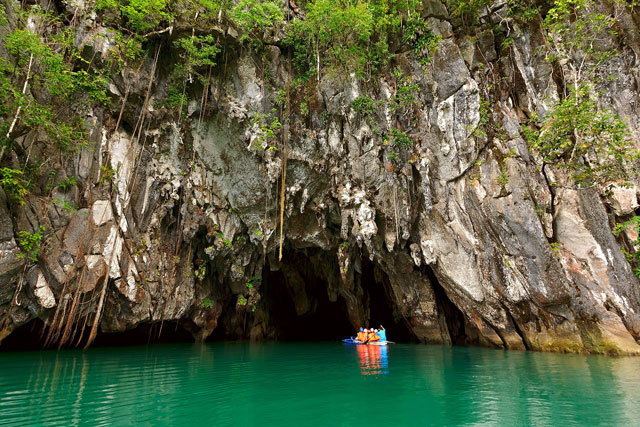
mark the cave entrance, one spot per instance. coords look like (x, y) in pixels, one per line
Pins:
(146, 333)
(450, 315)
(378, 297)
(25, 337)
(297, 297)
(32, 336)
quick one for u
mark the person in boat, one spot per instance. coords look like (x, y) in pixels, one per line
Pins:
(372, 336)
(361, 336)
(382, 333)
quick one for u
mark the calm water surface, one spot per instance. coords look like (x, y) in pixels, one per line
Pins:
(315, 384)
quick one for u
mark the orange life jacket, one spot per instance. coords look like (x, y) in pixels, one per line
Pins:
(373, 336)
(360, 336)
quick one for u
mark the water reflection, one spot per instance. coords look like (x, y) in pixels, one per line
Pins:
(373, 359)
(328, 383)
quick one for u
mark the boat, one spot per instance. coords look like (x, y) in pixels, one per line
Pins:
(356, 342)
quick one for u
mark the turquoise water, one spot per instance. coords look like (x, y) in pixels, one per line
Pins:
(315, 384)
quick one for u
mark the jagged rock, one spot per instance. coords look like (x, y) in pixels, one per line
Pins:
(180, 219)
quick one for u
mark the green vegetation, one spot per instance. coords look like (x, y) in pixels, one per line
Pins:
(137, 15)
(197, 53)
(206, 303)
(31, 243)
(251, 281)
(69, 207)
(13, 184)
(405, 97)
(268, 127)
(201, 271)
(592, 144)
(68, 183)
(356, 37)
(364, 106)
(418, 35)
(632, 254)
(503, 178)
(225, 242)
(360, 38)
(401, 139)
(467, 11)
(255, 17)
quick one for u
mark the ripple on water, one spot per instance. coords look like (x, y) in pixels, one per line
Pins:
(315, 383)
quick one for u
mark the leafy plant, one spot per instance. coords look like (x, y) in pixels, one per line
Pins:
(364, 106)
(107, 173)
(252, 280)
(30, 243)
(633, 255)
(226, 242)
(65, 205)
(418, 35)
(593, 144)
(268, 127)
(467, 11)
(201, 271)
(140, 15)
(503, 178)
(401, 139)
(13, 184)
(206, 303)
(66, 184)
(255, 17)
(196, 53)
(521, 10)
(405, 97)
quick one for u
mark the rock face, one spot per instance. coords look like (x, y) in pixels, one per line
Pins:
(462, 236)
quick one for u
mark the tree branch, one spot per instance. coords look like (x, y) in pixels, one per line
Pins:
(15, 118)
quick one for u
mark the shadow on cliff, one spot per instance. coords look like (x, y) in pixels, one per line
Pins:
(29, 336)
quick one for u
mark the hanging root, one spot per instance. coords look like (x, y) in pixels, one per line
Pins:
(285, 138)
(4, 330)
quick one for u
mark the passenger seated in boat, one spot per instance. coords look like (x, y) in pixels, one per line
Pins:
(382, 333)
(361, 336)
(372, 336)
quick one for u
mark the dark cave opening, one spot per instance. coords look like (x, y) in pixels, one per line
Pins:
(321, 318)
(147, 333)
(300, 301)
(323, 321)
(378, 293)
(453, 317)
(30, 336)
(25, 337)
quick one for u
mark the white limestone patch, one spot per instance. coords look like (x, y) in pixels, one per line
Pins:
(43, 292)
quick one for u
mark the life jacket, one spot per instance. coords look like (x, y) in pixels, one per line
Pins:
(373, 336)
(360, 336)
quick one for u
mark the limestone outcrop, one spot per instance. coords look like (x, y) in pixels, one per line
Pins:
(176, 217)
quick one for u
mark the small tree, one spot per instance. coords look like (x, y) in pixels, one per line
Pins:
(591, 142)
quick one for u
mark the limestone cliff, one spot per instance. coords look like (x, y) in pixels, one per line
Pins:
(176, 216)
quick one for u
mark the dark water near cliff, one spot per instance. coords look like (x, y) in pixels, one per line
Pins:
(315, 384)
